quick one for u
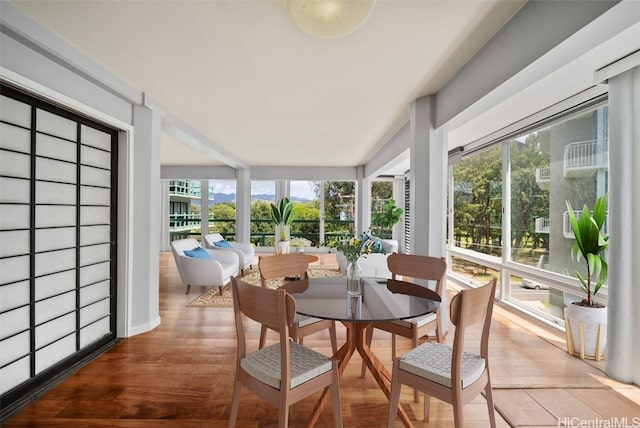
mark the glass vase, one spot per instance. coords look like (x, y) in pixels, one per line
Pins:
(354, 279)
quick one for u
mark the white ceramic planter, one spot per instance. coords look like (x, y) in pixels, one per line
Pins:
(282, 247)
(586, 331)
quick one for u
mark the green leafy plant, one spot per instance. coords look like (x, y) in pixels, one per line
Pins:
(590, 245)
(389, 215)
(282, 215)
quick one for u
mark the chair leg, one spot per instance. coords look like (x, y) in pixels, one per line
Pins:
(368, 339)
(414, 344)
(188, 288)
(263, 336)
(220, 290)
(335, 397)
(394, 397)
(458, 416)
(489, 396)
(334, 338)
(393, 346)
(235, 403)
(284, 415)
(427, 407)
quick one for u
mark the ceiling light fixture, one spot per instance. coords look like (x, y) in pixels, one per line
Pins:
(329, 19)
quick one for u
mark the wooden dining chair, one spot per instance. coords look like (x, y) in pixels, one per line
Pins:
(290, 267)
(285, 372)
(449, 373)
(412, 267)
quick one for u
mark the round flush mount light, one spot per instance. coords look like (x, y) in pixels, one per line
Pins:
(329, 19)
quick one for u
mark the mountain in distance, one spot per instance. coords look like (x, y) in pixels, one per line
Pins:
(231, 197)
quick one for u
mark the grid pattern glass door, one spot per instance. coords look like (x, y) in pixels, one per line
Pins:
(57, 240)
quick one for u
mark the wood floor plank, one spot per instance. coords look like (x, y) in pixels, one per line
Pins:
(180, 375)
(517, 405)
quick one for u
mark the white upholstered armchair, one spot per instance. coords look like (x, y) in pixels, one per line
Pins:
(200, 266)
(245, 251)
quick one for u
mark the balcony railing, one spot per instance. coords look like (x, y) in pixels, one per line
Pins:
(542, 225)
(585, 155)
(543, 177)
(186, 188)
(567, 232)
(184, 225)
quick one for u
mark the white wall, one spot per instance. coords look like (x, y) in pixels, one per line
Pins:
(36, 60)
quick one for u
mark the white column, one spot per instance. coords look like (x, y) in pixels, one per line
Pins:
(282, 189)
(165, 245)
(322, 240)
(397, 232)
(145, 242)
(428, 175)
(363, 203)
(623, 329)
(204, 207)
(243, 205)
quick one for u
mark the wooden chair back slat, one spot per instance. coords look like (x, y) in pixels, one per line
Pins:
(262, 304)
(409, 288)
(415, 266)
(476, 302)
(283, 265)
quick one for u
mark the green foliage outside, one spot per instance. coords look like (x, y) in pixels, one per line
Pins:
(478, 201)
(387, 217)
(339, 214)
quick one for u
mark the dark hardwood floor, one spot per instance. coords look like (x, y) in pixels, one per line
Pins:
(181, 375)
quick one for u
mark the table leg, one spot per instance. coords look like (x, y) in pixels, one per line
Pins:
(377, 369)
(356, 339)
(343, 355)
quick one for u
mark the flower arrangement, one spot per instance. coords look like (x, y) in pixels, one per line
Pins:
(299, 242)
(352, 248)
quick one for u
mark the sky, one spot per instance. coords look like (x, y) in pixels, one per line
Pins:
(300, 189)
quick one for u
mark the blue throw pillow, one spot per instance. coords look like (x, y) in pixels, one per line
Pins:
(222, 244)
(198, 253)
(363, 242)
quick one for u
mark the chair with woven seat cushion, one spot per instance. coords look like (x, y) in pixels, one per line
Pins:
(414, 267)
(200, 266)
(449, 373)
(285, 372)
(244, 250)
(293, 266)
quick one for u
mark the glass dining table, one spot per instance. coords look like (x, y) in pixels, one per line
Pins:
(380, 300)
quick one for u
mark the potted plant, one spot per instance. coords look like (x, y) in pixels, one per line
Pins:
(586, 321)
(388, 217)
(282, 216)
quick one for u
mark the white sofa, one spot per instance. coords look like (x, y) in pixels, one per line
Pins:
(216, 270)
(244, 251)
(372, 264)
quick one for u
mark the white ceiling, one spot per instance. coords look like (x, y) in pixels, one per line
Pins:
(242, 74)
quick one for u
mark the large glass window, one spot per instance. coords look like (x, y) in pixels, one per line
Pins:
(222, 208)
(185, 207)
(564, 160)
(381, 194)
(478, 202)
(263, 193)
(339, 209)
(306, 210)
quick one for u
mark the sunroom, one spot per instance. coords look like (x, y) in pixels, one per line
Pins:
(482, 164)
